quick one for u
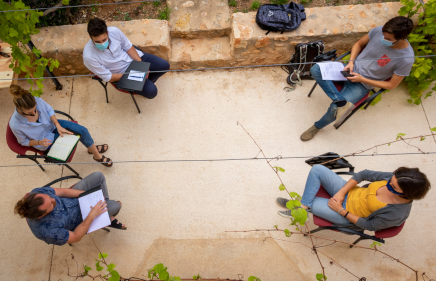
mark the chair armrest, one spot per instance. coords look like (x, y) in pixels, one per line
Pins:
(137, 48)
(61, 179)
(343, 55)
(350, 231)
(371, 98)
(65, 114)
(97, 78)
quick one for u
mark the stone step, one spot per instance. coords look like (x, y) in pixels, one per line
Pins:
(194, 19)
(196, 53)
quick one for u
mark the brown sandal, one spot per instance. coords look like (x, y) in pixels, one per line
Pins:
(101, 149)
(107, 160)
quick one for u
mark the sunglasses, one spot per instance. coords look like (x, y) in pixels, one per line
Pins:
(28, 114)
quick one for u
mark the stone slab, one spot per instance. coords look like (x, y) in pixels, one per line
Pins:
(339, 27)
(199, 18)
(65, 43)
(196, 53)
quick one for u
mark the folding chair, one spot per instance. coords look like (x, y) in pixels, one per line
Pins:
(322, 193)
(95, 77)
(59, 180)
(365, 101)
(21, 150)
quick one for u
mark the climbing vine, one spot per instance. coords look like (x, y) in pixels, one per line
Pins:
(423, 40)
(16, 30)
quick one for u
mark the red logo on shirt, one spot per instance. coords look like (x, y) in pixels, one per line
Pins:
(384, 60)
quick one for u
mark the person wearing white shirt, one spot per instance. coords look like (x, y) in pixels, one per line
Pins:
(109, 53)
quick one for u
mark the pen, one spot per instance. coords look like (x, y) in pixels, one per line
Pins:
(137, 76)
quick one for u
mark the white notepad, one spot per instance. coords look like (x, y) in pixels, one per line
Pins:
(136, 75)
(63, 146)
(332, 71)
(89, 200)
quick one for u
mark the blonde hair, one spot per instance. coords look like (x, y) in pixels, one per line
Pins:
(23, 99)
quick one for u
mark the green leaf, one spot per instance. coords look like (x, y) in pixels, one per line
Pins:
(300, 215)
(288, 233)
(101, 255)
(163, 275)
(400, 135)
(321, 276)
(87, 268)
(196, 277)
(282, 187)
(115, 276)
(98, 266)
(292, 204)
(280, 169)
(253, 278)
(110, 267)
(433, 129)
(13, 32)
(389, 144)
(422, 138)
(294, 194)
(65, 2)
(175, 278)
(374, 244)
(275, 226)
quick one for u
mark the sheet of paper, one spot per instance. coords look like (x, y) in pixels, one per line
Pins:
(89, 200)
(332, 71)
(67, 140)
(59, 151)
(136, 75)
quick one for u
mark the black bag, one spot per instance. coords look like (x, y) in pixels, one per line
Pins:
(280, 17)
(304, 53)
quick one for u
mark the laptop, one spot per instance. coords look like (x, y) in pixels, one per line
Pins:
(134, 85)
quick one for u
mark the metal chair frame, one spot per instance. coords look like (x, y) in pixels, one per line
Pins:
(367, 102)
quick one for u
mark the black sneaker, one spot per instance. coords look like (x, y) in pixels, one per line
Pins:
(282, 202)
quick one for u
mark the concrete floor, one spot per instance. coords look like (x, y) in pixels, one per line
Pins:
(177, 213)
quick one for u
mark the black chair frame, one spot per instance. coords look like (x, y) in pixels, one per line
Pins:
(66, 178)
(106, 83)
(365, 103)
(35, 157)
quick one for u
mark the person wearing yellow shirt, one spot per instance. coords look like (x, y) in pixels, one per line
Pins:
(385, 203)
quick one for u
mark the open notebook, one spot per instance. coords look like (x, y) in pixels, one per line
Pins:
(63, 146)
(89, 199)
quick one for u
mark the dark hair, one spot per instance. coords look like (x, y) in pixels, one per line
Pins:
(96, 27)
(28, 207)
(414, 183)
(23, 99)
(400, 27)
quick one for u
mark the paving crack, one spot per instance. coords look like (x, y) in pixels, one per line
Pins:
(428, 123)
(51, 262)
(71, 96)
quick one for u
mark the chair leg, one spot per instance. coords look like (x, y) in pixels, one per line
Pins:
(36, 161)
(106, 229)
(105, 89)
(357, 241)
(133, 97)
(72, 170)
(313, 88)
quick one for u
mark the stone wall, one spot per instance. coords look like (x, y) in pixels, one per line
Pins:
(66, 43)
(339, 27)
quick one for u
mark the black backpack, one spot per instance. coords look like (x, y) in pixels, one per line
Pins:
(280, 17)
(305, 53)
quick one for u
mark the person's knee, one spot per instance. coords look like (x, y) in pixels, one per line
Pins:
(98, 175)
(152, 93)
(315, 70)
(165, 65)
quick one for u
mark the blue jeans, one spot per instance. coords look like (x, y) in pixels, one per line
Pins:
(85, 136)
(156, 64)
(351, 92)
(332, 183)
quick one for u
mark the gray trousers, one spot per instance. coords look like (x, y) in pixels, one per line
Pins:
(97, 179)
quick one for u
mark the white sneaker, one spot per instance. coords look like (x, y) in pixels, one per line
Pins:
(342, 113)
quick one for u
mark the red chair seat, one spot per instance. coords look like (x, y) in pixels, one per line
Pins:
(340, 85)
(385, 233)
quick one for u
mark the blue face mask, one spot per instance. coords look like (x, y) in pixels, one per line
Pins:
(391, 189)
(103, 46)
(387, 43)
